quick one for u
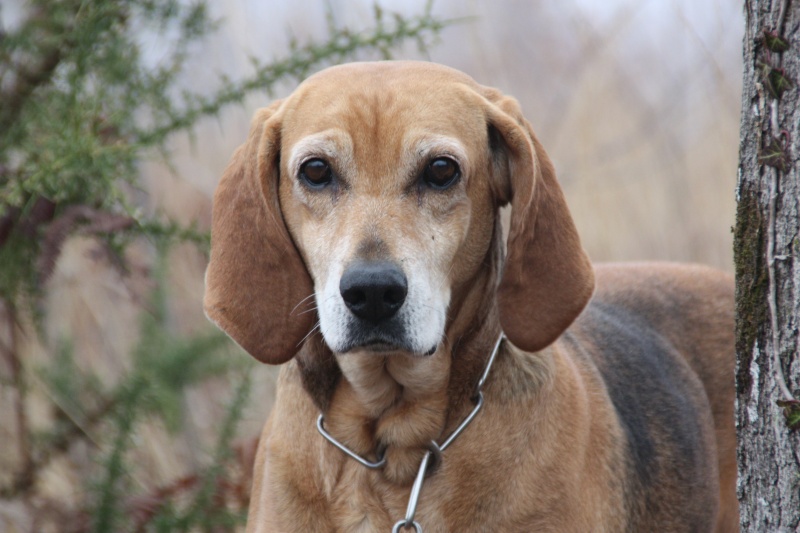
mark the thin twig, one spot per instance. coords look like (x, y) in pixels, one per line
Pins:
(96, 221)
(26, 473)
(28, 79)
(60, 443)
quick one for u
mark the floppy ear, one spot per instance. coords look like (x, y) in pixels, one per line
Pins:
(256, 281)
(548, 278)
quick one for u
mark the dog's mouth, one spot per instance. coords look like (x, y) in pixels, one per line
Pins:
(385, 346)
(384, 339)
(379, 346)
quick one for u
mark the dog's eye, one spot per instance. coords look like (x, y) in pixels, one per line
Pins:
(316, 173)
(441, 173)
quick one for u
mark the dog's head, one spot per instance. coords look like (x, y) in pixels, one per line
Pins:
(373, 191)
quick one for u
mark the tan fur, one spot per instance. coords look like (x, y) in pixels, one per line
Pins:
(550, 450)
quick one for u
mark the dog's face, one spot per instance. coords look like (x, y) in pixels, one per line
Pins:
(386, 191)
(373, 190)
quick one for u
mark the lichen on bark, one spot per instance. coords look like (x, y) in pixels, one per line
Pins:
(751, 285)
(768, 272)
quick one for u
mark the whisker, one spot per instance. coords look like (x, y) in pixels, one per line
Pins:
(308, 310)
(301, 303)
(316, 327)
(313, 308)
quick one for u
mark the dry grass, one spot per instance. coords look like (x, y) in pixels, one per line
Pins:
(637, 104)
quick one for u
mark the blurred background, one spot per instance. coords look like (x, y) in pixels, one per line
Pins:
(637, 102)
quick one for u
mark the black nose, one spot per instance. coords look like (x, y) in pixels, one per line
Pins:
(373, 290)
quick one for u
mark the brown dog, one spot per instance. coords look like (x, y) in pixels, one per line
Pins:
(356, 235)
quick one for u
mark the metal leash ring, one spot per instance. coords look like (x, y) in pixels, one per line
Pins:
(435, 460)
(404, 525)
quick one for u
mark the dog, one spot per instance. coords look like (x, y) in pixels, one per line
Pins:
(356, 237)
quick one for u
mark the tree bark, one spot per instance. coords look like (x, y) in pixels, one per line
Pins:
(767, 259)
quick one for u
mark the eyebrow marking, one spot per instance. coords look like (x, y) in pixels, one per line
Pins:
(430, 146)
(334, 145)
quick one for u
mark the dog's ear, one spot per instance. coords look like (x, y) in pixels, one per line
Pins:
(256, 282)
(548, 278)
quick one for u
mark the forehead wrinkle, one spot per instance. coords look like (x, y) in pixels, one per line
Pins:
(377, 146)
(375, 122)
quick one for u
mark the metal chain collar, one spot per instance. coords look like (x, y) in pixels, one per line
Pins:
(435, 451)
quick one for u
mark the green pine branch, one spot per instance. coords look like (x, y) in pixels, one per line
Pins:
(79, 111)
(341, 44)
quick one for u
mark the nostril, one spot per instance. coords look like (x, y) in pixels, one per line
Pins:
(354, 296)
(394, 296)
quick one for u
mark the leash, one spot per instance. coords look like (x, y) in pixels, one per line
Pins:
(435, 451)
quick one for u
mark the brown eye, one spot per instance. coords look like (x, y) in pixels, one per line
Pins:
(316, 173)
(441, 173)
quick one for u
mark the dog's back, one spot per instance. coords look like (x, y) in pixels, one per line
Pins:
(661, 338)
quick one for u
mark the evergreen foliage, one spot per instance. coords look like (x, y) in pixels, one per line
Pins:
(80, 108)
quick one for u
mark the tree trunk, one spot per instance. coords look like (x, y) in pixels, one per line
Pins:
(767, 258)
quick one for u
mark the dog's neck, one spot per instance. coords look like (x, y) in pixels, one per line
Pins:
(399, 403)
